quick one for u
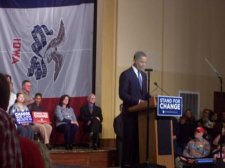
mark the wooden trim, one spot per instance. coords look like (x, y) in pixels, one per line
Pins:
(108, 143)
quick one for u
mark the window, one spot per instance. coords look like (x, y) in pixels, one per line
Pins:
(191, 100)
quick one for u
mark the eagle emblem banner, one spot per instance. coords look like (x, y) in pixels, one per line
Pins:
(49, 43)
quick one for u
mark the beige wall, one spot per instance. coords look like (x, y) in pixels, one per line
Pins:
(106, 63)
(177, 34)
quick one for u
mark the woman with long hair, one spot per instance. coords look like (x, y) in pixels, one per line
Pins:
(24, 129)
(66, 121)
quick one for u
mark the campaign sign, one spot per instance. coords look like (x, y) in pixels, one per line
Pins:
(23, 117)
(169, 106)
(40, 117)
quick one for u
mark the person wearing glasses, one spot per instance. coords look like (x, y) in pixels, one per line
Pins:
(92, 117)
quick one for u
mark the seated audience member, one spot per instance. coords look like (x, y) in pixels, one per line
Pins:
(218, 140)
(118, 129)
(12, 98)
(66, 121)
(175, 135)
(186, 127)
(26, 90)
(92, 117)
(217, 155)
(213, 117)
(205, 121)
(10, 152)
(196, 148)
(44, 129)
(218, 129)
(24, 129)
(208, 125)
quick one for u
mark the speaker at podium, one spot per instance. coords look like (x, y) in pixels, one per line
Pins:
(160, 142)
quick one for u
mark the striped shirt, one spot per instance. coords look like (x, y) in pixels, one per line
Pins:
(10, 152)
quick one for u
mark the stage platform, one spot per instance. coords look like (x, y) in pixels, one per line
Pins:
(83, 158)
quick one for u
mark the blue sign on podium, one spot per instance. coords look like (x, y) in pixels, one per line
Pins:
(169, 106)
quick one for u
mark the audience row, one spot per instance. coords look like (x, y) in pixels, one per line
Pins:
(15, 106)
(201, 138)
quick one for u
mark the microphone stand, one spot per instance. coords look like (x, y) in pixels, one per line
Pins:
(162, 90)
(221, 93)
(148, 113)
(221, 132)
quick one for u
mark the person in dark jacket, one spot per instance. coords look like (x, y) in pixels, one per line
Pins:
(118, 129)
(132, 91)
(92, 117)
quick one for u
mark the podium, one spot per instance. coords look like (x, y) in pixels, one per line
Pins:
(160, 143)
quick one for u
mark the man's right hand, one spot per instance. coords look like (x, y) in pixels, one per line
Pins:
(89, 122)
(142, 101)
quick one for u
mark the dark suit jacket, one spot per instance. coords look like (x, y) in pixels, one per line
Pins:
(129, 88)
(86, 115)
(118, 126)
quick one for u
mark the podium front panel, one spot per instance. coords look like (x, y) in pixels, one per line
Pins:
(164, 136)
(160, 139)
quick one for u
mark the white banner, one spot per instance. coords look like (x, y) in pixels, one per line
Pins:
(51, 46)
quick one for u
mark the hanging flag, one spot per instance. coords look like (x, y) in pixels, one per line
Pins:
(49, 43)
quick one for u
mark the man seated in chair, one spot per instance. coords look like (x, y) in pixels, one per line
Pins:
(92, 117)
(195, 148)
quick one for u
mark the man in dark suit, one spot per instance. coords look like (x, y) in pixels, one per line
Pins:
(132, 91)
(92, 117)
(118, 129)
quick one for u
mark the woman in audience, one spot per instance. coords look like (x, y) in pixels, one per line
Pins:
(12, 98)
(10, 152)
(44, 129)
(187, 125)
(66, 121)
(24, 129)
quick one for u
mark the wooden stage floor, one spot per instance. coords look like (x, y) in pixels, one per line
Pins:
(83, 158)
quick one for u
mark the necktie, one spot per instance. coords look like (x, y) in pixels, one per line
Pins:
(91, 108)
(140, 78)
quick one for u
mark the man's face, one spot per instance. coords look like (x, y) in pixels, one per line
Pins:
(198, 134)
(140, 63)
(92, 99)
(27, 86)
(188, 114)
(37, 99)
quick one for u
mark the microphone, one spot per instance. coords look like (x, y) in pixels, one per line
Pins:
(148, 69)
(156, 84)
(213, 68)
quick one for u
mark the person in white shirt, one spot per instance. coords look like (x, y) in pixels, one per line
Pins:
(12, 97)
